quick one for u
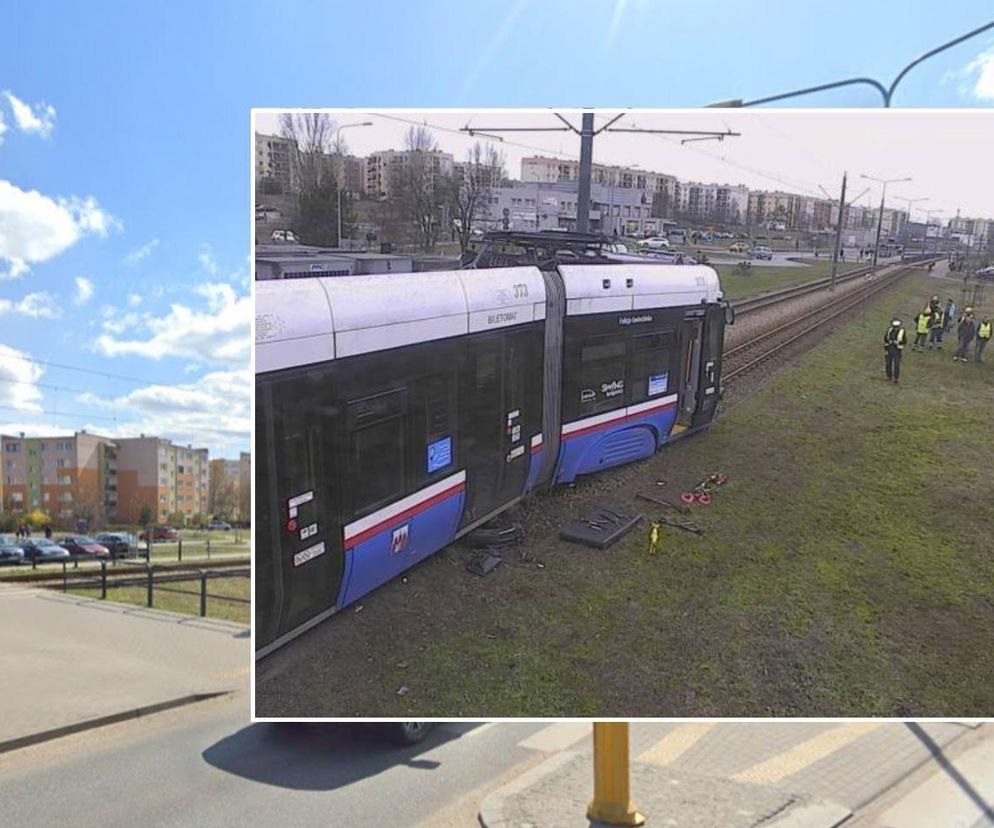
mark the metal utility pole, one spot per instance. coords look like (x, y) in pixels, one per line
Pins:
(928, 215)
(586, 163)
(838, 232)
(587, 134)
(880, 216)
(841, 223)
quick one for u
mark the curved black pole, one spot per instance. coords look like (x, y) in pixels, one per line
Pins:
(927, 55)
(885, 93)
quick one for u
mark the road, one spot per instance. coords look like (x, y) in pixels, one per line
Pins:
(206, 765)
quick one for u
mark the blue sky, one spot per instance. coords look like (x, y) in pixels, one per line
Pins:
(137, 179)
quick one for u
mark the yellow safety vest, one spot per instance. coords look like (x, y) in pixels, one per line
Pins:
(923, 321)
(898, 341)
(984, 331)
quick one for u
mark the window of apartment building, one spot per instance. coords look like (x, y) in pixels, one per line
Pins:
(62, 464)
(65, 497)
(45, 497)
(64, 480)
(44, 446)
(66, 446)
(12, 447)
(163, 466)
(17, 497)
(162, 498)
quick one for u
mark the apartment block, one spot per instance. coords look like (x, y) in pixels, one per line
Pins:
(166, 478)
(68, 477)
(539, 169)
(381, 168)
(230, 488)
(273, 160)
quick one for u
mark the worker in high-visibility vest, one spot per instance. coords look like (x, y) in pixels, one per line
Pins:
(936, 326)
(984, 330)
(922, 324)
(894, 341)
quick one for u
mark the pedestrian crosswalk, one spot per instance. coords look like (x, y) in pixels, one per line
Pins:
(849, 762)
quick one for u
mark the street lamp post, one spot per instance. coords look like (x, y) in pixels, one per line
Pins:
(880, 216)
(909, 202)
(928, 215)
(338, 178)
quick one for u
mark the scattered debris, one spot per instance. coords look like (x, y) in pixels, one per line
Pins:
(402, 665)
(600, 527)
(359, 607)
(483, 562)
(402, 691)
(661, 501)
(701, 493)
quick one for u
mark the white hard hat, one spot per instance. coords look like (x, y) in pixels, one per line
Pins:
(896, 323)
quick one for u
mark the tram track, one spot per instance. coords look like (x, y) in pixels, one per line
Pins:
(744, 357)
(766, 300)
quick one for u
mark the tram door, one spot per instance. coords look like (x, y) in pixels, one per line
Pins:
(495, 441)
(712, 343)
(304, 537)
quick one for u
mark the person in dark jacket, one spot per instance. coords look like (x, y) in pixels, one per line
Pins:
(894, 342)
(966, 332)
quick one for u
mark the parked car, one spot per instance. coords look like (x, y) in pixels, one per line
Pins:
(656, 243)
(84, 545)
(43, 549)
(761, 251)
(739, 247)
(11, 551)
(119, 544)
(284, 236)
(408, 733)
(218, 525)
(160, 533)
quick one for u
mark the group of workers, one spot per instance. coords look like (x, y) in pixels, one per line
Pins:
(931, 325)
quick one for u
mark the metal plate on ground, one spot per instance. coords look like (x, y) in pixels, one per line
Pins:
(600, 527)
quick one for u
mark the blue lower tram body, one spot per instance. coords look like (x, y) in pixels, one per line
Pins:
(399, 543)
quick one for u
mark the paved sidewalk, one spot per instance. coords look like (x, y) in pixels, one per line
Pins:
(731, 774)
(66, 660)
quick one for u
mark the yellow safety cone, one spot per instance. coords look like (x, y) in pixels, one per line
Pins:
(612, 802)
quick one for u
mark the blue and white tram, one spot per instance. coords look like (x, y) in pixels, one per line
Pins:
(396, 412)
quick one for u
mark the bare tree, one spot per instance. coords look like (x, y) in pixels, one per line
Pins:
(419, 187)
(470, 195)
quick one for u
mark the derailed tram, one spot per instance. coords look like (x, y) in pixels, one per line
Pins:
(395, 413)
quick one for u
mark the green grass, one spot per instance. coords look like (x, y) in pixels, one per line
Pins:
(847, 570)
(189, 604)
(760, 279)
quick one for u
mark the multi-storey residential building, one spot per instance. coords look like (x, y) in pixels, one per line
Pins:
(538, 168)
(353, 172)
(67, 477)
(166, 478)
(382, 167)
(715, 203)
(230, 488)
(273, 160)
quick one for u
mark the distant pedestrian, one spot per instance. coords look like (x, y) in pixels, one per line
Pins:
(894, 340)
(936, 326)
(984, 330)
(949, 315)
(48, 532)
(842, 254)
(922, 324)
(966, 332)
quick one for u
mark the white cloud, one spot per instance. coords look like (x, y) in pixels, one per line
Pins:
(84, 290)
(983, 65)
(218, 333)
(40, 305)
(18, 379)
(39, 118)
(207, 261)
(3, 127)
(134, 300)
(117, 324)
(213, 410)
(142, 252)
(35, 227)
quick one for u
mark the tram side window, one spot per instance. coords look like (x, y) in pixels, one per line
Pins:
(377, 450)
(602, 377)
(650, 367)
(433, 416)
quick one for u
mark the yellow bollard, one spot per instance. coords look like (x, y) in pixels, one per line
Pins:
(612, 802)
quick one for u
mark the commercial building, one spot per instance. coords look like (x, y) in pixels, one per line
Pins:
(67, 477)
